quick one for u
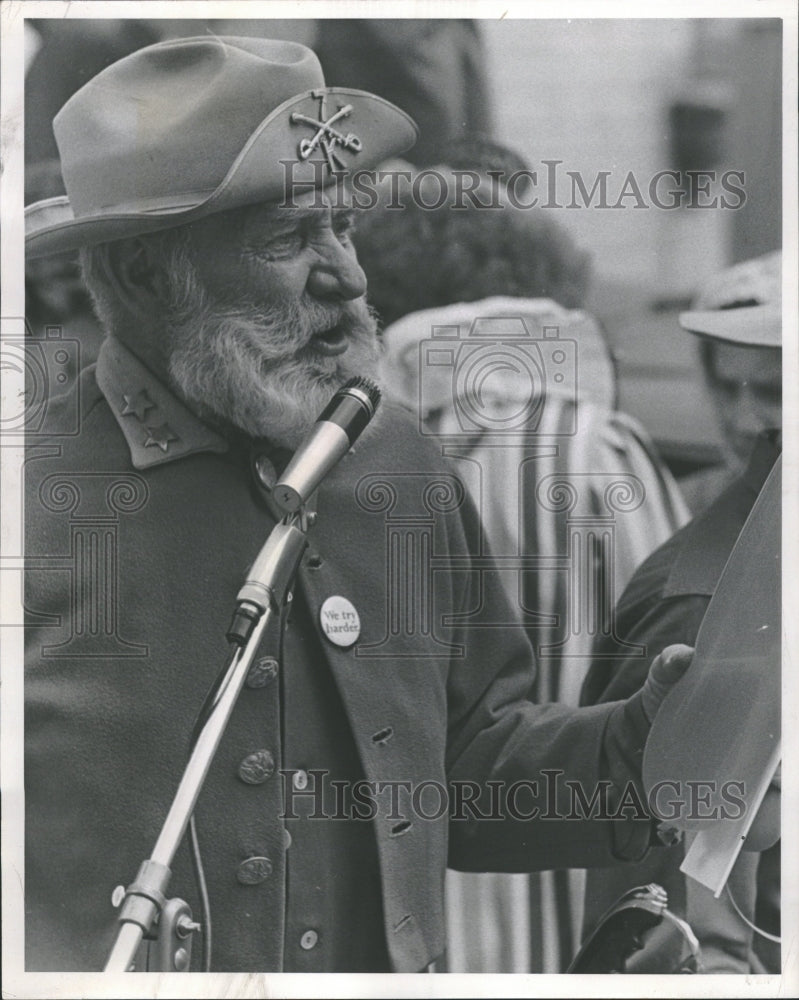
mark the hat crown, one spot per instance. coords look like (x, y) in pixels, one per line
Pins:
(165, 123)
(193, 126)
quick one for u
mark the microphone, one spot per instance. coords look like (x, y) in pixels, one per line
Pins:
(334, 433)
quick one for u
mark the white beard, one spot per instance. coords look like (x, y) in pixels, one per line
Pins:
(257, 368)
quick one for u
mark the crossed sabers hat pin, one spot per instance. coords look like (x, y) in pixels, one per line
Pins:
(326, 137)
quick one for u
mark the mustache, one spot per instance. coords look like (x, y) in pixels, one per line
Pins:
(287, 326)
(284, 335)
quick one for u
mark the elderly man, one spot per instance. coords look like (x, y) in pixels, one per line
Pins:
(234, 308)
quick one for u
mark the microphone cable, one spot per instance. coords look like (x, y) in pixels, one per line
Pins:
(776, 939)
(202, 889)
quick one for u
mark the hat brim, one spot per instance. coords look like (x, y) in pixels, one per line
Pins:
(266, 170)
(750, 326)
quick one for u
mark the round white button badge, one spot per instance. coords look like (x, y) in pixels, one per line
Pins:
(339, 620)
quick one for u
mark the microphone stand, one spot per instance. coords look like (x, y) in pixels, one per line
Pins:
(264, 594)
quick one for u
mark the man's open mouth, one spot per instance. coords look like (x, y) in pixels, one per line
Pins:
(332, 341)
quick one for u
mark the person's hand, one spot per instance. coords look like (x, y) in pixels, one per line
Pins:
(667, 668)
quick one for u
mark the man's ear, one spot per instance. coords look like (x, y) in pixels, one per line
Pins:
(137, 275)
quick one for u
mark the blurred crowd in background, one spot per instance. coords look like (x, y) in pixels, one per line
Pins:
(616, 95)
(552, 97)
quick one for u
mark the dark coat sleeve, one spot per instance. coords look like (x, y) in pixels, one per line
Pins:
(544, 761)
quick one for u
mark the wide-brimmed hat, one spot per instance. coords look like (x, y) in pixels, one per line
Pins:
(742, 305)
(193, 126)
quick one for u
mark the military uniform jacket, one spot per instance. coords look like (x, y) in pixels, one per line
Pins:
(139, 532)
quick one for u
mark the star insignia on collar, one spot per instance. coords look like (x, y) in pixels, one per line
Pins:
(137, 404)
(160, 437)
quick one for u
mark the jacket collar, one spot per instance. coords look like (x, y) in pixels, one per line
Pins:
(157, 426)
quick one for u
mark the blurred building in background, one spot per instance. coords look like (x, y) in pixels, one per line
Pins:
(643, 96)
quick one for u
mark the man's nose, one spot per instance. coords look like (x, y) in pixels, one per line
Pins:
(338, 274)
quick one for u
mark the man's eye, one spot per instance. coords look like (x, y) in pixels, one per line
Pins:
(281, 245)
(292, 240)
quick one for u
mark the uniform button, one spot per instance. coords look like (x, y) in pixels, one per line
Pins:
(257, 767)
(262, 672)
(308, 940)
(300, 780)
(314, 561)
(254, 870)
